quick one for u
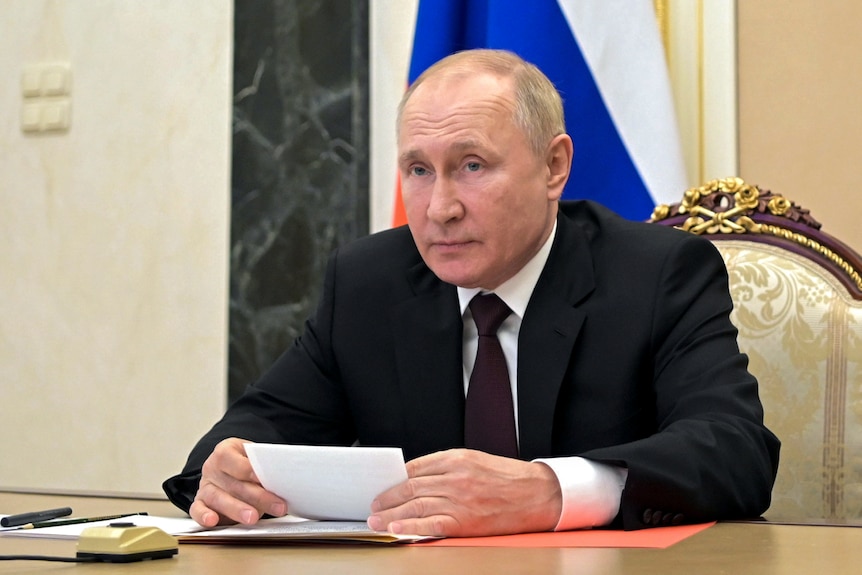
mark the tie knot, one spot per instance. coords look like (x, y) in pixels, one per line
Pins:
(489, 311)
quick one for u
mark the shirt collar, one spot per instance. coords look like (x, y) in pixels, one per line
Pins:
(516, 290)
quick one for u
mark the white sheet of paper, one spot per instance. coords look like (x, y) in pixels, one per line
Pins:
(323, 482)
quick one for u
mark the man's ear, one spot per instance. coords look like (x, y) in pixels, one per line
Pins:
(559, 161)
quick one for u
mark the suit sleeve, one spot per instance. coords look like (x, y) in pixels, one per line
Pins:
(711, 456)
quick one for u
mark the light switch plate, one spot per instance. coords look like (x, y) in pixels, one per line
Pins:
(50, 79)
(31, 81)
(46, 89)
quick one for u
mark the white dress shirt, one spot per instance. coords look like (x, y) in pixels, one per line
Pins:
(591, 490)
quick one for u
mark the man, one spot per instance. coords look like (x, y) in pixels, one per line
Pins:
(634, 406)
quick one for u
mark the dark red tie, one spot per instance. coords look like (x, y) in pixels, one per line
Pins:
(489, 415)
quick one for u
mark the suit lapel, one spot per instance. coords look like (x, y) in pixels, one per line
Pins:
(548, 333)
(428, 346)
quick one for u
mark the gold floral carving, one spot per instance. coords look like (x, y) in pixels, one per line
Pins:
(729, 205)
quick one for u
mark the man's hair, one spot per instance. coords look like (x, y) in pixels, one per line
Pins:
(538, 106)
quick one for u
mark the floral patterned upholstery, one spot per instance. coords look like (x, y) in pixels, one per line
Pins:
(797, 299)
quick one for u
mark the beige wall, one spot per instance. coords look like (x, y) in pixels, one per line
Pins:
(800, 88)
(114, 242)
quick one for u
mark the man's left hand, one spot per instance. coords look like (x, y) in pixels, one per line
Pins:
(466, 493)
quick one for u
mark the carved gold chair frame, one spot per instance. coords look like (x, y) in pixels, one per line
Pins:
(726, 208)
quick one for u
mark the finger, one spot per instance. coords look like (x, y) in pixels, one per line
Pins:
(456, 461)
(432, 507)
(435, 463)
(246, 509)
(408, 491)
(229, 457)
(229, 507)
(203, 515)
(212, 507)
(244, 496)
(436, 526)
(207, 517)
(230, 488)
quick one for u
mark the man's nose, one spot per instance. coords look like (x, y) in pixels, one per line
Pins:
(445, 204)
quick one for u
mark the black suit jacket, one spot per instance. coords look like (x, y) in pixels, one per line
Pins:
(626, 356)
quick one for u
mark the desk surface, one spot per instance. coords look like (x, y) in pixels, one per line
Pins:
(737, 548)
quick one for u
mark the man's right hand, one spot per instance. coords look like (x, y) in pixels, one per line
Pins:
(230, 492)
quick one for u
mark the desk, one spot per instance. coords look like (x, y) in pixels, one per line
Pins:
(737, 548)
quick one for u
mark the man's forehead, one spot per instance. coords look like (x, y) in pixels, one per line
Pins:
(461, 127)
(460, 105)
(454, 98)
(462, 77)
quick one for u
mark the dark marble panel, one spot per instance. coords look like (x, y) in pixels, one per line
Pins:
(300, 165)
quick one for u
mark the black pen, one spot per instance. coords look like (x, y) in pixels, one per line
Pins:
(39, 525)
(34, 516)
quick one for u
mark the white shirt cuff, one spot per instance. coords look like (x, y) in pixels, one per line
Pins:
(591, 491)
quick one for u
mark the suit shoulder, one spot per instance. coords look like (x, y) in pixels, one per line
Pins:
(381, 251)
(605, 228)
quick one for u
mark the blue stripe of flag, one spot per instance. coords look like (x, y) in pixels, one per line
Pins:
(537, 30)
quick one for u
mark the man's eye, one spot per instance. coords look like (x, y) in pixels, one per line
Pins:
(418, 171)
(473, 166)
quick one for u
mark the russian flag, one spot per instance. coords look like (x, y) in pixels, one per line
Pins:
(607, 60)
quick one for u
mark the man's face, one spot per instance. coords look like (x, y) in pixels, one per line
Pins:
(478, 199)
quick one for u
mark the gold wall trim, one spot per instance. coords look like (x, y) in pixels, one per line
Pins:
(662, 15)
(701, 87)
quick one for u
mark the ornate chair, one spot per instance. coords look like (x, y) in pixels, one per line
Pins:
(797, 295)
